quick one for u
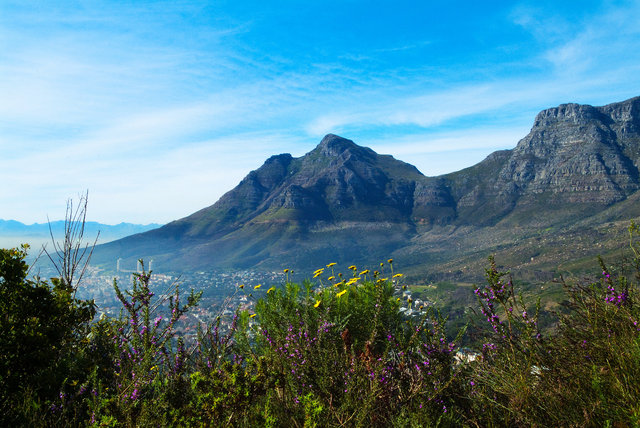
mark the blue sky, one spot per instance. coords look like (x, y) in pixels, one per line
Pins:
(158, 108)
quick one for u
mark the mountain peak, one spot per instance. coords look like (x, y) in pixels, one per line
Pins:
(334, 145)
(335, 140)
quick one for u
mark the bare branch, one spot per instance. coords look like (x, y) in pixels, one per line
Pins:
(71, 256)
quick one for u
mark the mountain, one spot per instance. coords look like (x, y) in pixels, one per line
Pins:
(575, 158)
(573, 177)
(338, 201)
(13, 233)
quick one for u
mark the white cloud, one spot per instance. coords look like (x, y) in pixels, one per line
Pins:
(445, 152)
(424, 111)
(159, 125)
(585, 46)
(154, 186)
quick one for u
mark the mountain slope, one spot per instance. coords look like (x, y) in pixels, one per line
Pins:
(577, 168)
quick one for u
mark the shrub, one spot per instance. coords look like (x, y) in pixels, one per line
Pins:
(338, 352)
(586, 374)
(344, 354)
(42, 328)
(148, 373)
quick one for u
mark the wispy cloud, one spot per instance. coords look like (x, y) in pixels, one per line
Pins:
(171, 102)
(425, 111)
(439, 153)
(153, 185)
(589, 44)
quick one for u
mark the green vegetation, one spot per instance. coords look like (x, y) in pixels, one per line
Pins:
(338, 351)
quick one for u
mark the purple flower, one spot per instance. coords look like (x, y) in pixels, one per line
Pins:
(614, 297)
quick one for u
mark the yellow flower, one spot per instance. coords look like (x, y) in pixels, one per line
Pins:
(241, 285)
(381, 264)
(270, 290)
(317, 274)
(341, 293)
(286, 271)
(364, 272)
(318, 271)
(353, 280)
(331, 264)
(398, 275)
(398, 299)
(252, 315)
(352, 267)
(390, 261)
(317, 303)
(257, 286)
(331, 278)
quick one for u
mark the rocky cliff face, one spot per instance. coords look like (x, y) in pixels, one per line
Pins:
(578, 154)
(574, 154)
(342, 199)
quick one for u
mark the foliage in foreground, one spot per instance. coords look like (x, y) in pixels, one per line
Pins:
(337, 353)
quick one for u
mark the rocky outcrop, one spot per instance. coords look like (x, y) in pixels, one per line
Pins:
(574, 154)
(577, 153)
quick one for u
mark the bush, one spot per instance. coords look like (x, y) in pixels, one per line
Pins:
(338, 352)
(42, 329)
(344, 354)
(585, 374)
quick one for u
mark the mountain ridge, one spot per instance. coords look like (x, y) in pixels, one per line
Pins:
(14, 233)
(345, 201)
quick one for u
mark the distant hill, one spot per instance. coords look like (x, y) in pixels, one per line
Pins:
(14, 233)
(573, 179)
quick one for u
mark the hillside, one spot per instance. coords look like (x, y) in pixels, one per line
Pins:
(574, 177)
